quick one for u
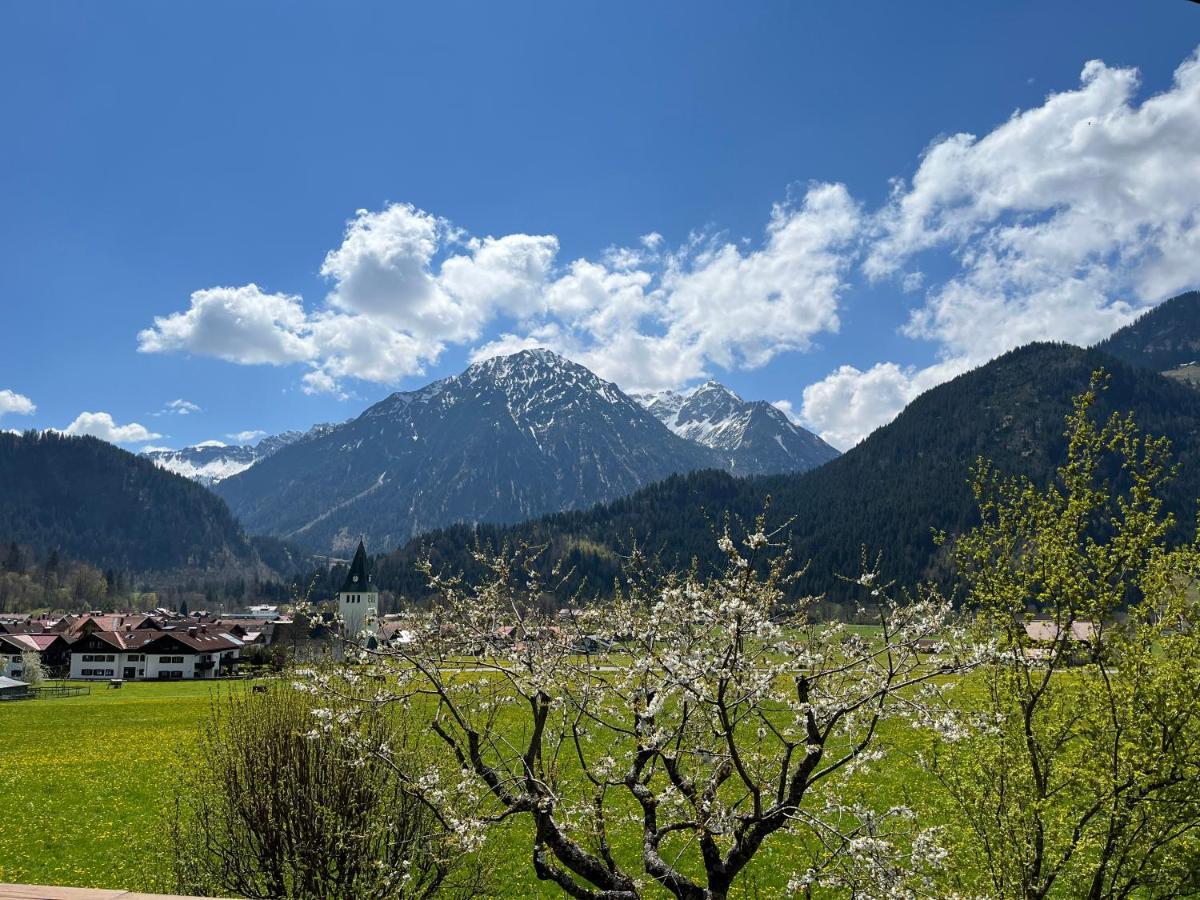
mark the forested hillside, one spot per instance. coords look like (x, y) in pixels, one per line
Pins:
(887, 494)
(92, 502)
(1164, 338)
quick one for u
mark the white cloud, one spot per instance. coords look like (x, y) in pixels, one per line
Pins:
(741, 309)
(237, 324)
(406, 283)
(1064, 221)
(18, 404)
(1062, 224)
(245, 437)
(713, 303)
(211, 444)
(383, 267)
(848, 404)
(179, 408)
(101, 425)
(788, 409)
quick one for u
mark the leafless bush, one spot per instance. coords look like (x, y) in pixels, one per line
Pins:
(290, 797)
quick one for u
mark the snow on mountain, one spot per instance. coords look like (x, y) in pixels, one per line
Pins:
(507, 439)
(753, 437)
(211, 461)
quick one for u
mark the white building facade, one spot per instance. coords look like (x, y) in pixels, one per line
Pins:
(153, 655)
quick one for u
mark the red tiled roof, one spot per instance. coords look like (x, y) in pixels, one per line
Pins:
(105, 622)
(35, 642)
(201, 642)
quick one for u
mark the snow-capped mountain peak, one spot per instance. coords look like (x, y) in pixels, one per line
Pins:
(753, 436)
(532, 383)
(506, 439)
(211, 461)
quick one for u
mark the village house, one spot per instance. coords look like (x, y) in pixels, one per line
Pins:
(52, 649)
(1076, 642)
(144, 654)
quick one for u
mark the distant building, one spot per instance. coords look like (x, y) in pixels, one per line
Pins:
(12, 689)
(358, 601)
(74, 626)
(1076, 643)
(52, 649)
(142, 654)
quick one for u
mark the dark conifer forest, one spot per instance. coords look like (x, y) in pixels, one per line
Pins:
(88, 500)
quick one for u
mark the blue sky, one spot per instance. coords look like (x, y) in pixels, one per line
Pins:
(772, 194)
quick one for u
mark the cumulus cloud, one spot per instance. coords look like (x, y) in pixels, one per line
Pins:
(406, 283)
(713, 303)
(245, 437)
(849, 403)
(18, 404)
(783, 294)
(1062, 223)
(101, 425)
(237, 324)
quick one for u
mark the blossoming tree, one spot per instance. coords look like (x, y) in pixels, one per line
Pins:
(668, 736)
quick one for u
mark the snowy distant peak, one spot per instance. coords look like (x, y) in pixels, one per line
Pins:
(527, 370)
(508, 438)
(663, 405)
(532, 383)
(211, 461)
(712, 405)
(754, 436)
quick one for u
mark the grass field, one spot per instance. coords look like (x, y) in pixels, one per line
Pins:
(87, 787)
(86, 784)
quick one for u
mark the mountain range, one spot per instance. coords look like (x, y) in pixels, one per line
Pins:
(507, 439)
(890, 492)
(213, 461)
(534, 447)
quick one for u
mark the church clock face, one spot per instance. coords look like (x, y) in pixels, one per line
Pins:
(355, 579)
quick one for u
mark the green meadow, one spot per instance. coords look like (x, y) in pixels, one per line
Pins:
(88, 785)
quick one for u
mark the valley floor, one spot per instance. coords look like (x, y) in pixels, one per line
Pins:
(88, 785)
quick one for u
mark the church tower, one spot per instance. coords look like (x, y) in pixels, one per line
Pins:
(358, 600)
